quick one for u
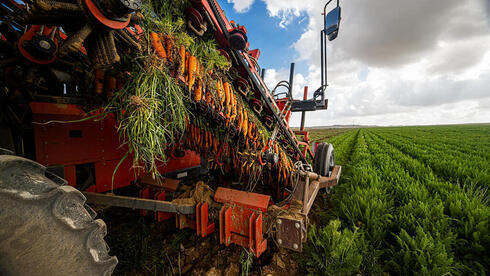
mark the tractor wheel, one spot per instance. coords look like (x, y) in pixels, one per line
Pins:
(324, 160)
(317, 158)
(45, 226)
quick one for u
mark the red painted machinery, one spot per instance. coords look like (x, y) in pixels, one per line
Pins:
(44, 57)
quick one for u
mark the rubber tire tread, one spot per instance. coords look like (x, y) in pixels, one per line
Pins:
(318, 157)
(327, 170)
(46, 228)
(323, 160)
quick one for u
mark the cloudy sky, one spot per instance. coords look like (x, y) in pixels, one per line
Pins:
(395, 62)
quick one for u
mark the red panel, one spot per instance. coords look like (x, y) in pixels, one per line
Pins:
(55, 109)
(255, 53)
(259, 243)
(75, 142)
(239, 239)
(91, 141)
(222, 224)
(123, 176)
(198, 219)
(161, 216)
(250, 200)
(228, 226)
(71, 175)
(280, 104)
(242, 226)
(191, 159)
(202, 227)
(250, 231)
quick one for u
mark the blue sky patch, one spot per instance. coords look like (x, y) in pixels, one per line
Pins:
(265, 33)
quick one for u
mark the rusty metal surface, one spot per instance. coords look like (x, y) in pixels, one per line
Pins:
(313, 191)
(290, 233)
(139, 203)
(242, 226)
(246, 199)
(203, 227)
(332, 180)
(167, 184)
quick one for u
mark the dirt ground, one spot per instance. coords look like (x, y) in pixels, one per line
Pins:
(146, 247)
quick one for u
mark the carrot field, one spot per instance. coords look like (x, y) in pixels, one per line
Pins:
(412, 200)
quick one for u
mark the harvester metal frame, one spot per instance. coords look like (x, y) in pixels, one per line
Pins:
(240, 216)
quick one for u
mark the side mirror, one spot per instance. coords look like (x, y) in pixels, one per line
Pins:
(332, 23)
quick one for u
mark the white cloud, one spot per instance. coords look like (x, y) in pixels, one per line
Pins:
(287, 10)
(428, 61)
(241, 6)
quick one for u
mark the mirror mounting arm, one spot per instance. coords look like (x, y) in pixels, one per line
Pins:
(325, 7)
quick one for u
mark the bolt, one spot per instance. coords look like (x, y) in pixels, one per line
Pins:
(279, 221)
(295, 246)
(279, 241)
(44, 44)
(297, 225)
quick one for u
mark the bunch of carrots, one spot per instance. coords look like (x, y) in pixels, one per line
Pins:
(223, 99)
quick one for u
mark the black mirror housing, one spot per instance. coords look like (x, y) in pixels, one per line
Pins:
(332, 23)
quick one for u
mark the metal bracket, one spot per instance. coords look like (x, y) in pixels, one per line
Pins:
(236, 228)
(291, 233)
(202, 227)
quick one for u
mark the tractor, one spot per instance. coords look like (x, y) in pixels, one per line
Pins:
(100, 95)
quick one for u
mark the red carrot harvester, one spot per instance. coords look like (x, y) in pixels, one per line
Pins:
(100, 95)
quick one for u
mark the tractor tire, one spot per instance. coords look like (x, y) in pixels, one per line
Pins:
(324, 160)
(45, 226)
(317, 158)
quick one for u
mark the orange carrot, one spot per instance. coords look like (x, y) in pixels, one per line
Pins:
(227, 93)
(221, 93)
(192, 71)
(240, 122)
(245, 124)
(182, 60)
(198, 91)
(250, 128)
(157, 44)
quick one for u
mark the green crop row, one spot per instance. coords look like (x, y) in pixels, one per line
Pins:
(460, 168)
(468, 139)
(408, 216)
